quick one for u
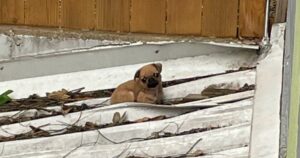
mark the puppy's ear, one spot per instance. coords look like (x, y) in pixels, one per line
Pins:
(137, 75)
(158, 67)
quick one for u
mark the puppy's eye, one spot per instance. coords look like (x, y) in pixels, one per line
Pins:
(156, 74)
(144, 80)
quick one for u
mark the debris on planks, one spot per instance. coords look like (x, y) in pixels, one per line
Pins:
(217, 90)
(73, 128)
(57, 98)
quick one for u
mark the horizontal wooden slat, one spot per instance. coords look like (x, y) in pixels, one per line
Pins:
(78, 14)
(220, 18)
(113, 15)
(42, 12)
(12, 11)
(148, 16)
(252, 18)
(184, 16)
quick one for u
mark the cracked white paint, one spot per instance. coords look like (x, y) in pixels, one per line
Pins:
(13, 46)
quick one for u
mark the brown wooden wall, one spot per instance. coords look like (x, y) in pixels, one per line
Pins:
(218, 18)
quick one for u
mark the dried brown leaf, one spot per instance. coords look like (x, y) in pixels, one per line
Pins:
(116, 118)
(59, 95)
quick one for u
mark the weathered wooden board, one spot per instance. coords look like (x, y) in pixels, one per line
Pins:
(12, 11)
(148, 16)
(42, 12)
(251, 18)
(113, 15)
(78, 14)
(184, 17)
(220, 18)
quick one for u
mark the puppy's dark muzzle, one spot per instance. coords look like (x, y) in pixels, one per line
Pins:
(152, 83)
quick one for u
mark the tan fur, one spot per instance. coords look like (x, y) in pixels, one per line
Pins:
(137, 90)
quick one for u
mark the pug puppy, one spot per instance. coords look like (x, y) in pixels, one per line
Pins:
(146, 87)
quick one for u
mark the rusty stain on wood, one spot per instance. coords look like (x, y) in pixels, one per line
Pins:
(220, 18)
(148, 16)
(12, 11)
(184, 17)
(113, 15)
(79, 14)
(252, 18)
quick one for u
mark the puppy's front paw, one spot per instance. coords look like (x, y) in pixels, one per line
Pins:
(146, 98)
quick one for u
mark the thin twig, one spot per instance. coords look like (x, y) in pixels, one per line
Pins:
(70, 152)
(106, 137)
(193, 146)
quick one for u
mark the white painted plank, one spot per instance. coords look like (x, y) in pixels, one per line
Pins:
(103, 116)
(202, 65)
(122, 133)
(221, 99)
(266, 117)
(232, 153)
(212, 141)
(233, 80)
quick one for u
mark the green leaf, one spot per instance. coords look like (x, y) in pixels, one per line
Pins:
(4, 98)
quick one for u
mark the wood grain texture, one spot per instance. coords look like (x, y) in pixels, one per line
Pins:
(148, 16)
(42, 12)
(0, 11)
(252, 13)
(113, 15)
(12, 11)
(78, 14)
(281, 11)
(220, 18)
(184, 16)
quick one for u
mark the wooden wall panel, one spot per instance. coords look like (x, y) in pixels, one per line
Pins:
(148, 16)
(0, 11)
(184, 16)
(251, 19)
(79, 14)
(220, 18)
(12, 11)
(113, 15)
(42, 12)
